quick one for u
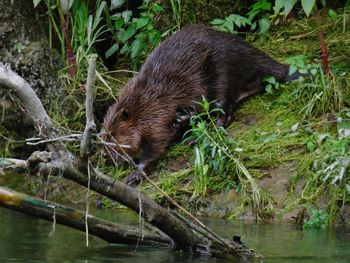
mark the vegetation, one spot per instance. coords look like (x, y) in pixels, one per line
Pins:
(304, 125)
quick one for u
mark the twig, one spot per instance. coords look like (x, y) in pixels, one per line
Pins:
(70, 137)
(90, 126)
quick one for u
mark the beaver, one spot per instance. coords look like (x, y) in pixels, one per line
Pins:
(195, 62)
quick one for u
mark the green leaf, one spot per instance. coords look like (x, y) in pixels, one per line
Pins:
(268, 88)
(332, 14)
(310, 146)
(125, 49)
(292, 70)
(278, 5)
(127, 15)
(156, 8)
(154, 37)
(288, 6)
(308, 5)
(116, 4)
(136, 47)
(270, 79)
(118, 23)
(229, 26)
(36, 2)
(111, 50)
(216, 22)
(128, 33)
(141, 22)
(264, 25)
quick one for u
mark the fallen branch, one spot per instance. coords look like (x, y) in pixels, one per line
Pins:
(10, 165)
(110, 232)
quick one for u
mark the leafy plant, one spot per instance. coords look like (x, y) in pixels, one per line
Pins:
(230, 23)
(318, 219)
(134, 35)
(271, 84)
(216, 156)
(256, 9)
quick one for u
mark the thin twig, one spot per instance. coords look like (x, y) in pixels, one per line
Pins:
(70, 137)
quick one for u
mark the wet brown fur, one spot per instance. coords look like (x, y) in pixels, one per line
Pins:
(196, 61)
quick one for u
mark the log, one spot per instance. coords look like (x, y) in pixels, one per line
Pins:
(71, 217)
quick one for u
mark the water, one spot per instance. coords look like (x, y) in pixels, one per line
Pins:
(27, 239)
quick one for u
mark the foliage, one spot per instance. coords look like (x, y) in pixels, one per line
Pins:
(215, 156)
(318, 219)
(134, 35)
(288, 5)
(230, 23)
(234, 21)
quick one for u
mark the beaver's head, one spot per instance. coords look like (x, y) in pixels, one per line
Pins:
(120, 132)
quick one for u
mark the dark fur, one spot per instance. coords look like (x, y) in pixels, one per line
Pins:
(196, 61)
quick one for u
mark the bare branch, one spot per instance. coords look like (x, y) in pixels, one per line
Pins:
(10, 165)
(90, 126)
(32, 104)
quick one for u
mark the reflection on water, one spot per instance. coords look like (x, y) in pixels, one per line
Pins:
(27, 239)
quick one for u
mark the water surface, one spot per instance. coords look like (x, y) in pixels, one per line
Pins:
(28, 239)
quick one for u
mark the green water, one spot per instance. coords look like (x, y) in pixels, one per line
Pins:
(27, 239)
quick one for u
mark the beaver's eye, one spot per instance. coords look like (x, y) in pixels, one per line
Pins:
(125, 115)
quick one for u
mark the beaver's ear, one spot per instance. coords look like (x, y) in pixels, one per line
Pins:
(125, 114)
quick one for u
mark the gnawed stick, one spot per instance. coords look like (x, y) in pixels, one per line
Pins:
(110, 232)
(90, 126)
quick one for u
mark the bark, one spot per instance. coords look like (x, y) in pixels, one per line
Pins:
(110, 232)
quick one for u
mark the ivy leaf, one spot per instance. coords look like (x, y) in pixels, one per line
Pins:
(308, 5)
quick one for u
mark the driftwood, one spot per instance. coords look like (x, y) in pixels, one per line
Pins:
(110, 232)
(59, 161)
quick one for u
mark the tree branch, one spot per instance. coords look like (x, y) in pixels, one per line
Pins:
(90, 126)
(110, 232)
(32, 104)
